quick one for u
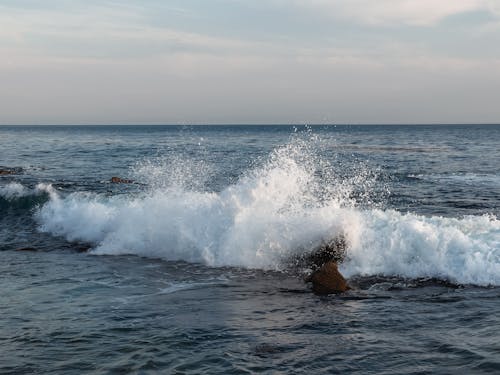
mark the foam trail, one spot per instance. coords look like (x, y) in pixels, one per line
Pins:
(271, 214)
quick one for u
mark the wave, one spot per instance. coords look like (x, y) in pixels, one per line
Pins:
(287, 206)
(15, 196)
(465, 250)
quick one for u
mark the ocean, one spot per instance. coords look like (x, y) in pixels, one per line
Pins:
(188, 267)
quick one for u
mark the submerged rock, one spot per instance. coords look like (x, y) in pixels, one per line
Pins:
(9, 171)
(328, 280)
(82, 248)
(119, 180)
(266, 349)
(28, 248)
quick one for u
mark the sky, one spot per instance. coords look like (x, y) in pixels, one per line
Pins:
(249, 61)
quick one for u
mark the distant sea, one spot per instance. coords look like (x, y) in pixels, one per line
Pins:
(186, 268)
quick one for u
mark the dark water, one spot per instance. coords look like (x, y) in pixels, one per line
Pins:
(188, 272)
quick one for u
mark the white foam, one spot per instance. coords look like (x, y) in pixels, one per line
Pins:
(253, 223)
(15, 190)
(465, 250)
(182, 286)
(272, 213)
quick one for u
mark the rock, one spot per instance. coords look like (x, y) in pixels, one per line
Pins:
(118, 180)
(82, 248)
(4, 171)
(328, 280)
(266, 349)
(333, 250)
(26, 249)
(322, 261)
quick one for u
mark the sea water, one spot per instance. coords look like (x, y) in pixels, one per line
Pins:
(188, 268)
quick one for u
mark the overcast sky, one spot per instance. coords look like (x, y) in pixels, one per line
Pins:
(249, 61)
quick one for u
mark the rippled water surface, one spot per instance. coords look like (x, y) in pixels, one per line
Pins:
(187, 270)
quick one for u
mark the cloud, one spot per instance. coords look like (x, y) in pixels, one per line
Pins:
(100, 32)
(399, 12)
(119, 62)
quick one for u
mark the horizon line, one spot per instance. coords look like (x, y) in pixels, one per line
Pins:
(253, 124)
(264, 124)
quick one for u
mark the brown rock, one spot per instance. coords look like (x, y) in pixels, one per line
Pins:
(4, 171)
(328, 280)
(118, 180)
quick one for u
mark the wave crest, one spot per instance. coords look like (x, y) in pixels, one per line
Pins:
(15, 197)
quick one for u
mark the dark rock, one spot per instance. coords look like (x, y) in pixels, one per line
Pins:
(322, 260)
(263, 349)
(26, 249)
(82, 248)
(332, 251)
(118, 180)
(328, 280)
(328, 251)
(4, 171)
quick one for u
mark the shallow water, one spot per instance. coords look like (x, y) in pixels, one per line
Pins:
(187, 268)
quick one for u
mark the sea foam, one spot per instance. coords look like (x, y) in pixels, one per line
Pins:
(288, 205)
(15, 190)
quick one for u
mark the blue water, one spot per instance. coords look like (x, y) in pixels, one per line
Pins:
(187, 269)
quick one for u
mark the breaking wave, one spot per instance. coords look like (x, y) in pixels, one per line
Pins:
(16, 197)
(286, 206)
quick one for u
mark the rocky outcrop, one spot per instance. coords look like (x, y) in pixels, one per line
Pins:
(328, 280)
(119, 180)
